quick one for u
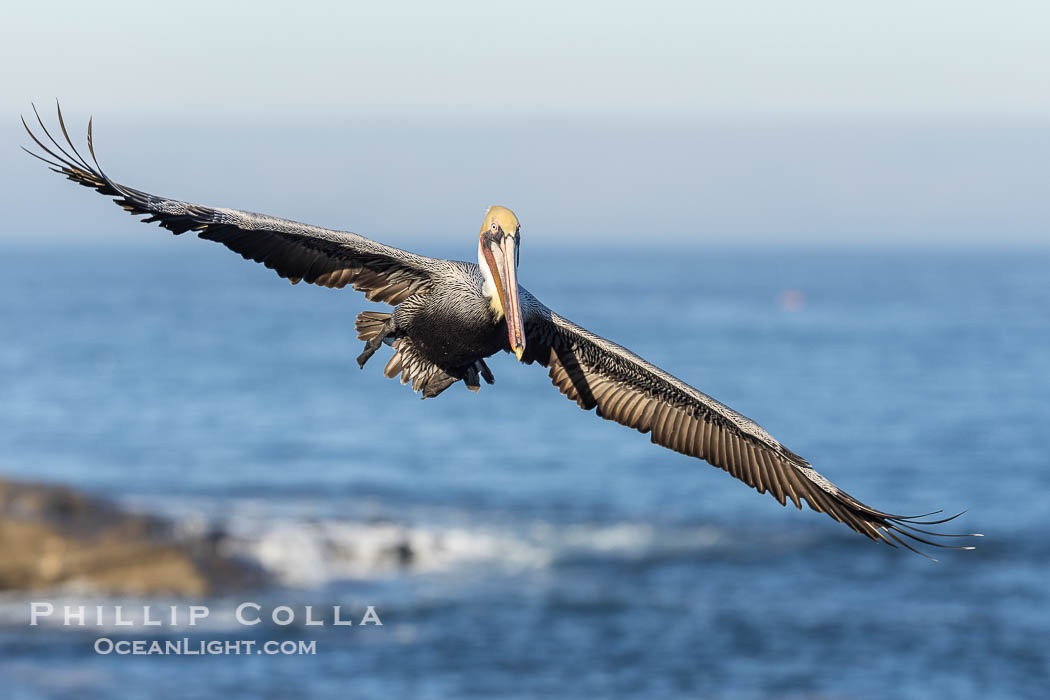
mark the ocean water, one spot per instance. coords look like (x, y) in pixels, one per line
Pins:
(553, 554)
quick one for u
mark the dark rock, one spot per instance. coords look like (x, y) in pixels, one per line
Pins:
(54, 536)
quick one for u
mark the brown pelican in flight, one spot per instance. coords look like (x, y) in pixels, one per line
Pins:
(449, 316)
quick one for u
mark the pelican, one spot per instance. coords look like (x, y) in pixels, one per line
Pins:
(450, 316)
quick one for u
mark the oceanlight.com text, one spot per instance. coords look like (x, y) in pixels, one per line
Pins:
(203, 647)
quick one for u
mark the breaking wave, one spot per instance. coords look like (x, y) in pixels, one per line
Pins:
(301, 551)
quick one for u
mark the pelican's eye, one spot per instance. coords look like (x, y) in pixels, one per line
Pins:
(495, 226)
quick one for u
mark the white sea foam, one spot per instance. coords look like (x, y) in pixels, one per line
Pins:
(302, 552)
(307, 543)
(310, 552)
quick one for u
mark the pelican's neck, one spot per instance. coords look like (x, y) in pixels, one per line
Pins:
(489, 288)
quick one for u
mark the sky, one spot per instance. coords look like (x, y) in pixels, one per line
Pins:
(718, 123)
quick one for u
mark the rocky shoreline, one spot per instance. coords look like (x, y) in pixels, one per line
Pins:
(53, 536)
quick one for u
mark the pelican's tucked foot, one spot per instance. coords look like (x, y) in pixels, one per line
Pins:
(473, 375)
(373, 327)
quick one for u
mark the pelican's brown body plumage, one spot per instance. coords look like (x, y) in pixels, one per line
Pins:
(449, 316)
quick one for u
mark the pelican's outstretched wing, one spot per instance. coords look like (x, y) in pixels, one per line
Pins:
(295, 251)
(596, 373)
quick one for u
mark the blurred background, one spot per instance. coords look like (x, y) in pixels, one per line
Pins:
(830, 217)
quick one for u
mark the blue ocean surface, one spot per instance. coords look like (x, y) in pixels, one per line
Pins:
(552, 553)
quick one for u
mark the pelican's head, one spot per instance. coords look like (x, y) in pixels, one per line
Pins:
(498, 258)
